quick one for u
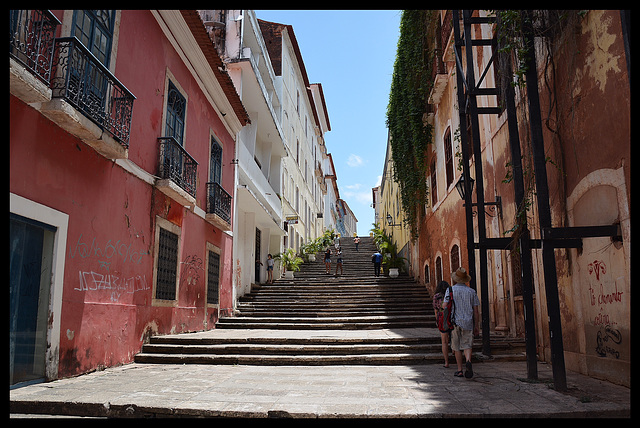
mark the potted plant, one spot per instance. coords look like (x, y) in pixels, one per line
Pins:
(395, 263)
(390, 260)
(290, 261)
(310, 249)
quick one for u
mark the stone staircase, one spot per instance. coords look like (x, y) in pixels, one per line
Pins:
(354, 300)
(320, 319)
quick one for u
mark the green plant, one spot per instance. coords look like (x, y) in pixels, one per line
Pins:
(326, 239)
(311, 247)
(289, 260)
(387, 248)
(409, 135)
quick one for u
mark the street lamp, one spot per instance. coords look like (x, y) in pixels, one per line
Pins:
(494, 205)
(460, 185)
(390, 221)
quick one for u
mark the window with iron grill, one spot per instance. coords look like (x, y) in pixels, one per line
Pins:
(213, 278)
(167, 265)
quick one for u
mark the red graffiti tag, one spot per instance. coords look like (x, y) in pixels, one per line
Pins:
(597, 267)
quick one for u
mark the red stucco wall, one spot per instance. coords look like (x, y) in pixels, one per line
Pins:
(107, 303)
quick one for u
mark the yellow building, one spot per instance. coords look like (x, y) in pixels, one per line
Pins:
(391, 216)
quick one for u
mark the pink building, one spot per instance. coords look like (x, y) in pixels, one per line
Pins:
(122, 138)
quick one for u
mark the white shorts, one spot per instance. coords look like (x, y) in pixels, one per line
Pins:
(461, 339)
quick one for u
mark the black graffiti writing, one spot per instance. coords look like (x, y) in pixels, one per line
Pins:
(606, 342)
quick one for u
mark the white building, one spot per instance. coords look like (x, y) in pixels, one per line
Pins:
(304, 121)
(331, 218)
(258, 219)
(349, 220)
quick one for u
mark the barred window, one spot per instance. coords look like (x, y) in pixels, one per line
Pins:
(167, 265)
(213, 278)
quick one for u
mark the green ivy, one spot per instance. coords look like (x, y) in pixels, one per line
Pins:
(410, 137)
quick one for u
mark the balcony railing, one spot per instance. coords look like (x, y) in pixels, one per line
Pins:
(438, 66)
(83, 81)
(177, 165)
(31, 40)
(218, 201)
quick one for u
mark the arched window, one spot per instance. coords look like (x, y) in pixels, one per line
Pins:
(434, 182)
(438, 270)
(455, 258)
(448, 157)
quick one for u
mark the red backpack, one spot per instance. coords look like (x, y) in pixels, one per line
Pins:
(445, 319)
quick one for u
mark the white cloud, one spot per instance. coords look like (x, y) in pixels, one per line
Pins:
(378, 181)
(353, 193)
(354, 160)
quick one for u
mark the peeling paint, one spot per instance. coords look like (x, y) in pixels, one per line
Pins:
(150, 329)
(599, 60)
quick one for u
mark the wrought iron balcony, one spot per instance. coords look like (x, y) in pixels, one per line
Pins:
(31, 40)
(177, 165)
(83, 81)
(218, 201)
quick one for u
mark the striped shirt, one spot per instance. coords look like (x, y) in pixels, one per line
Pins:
(464, 298)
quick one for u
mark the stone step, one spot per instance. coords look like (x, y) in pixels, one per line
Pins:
(311, 360)
(313, 351)
(299, 360)
(274, 324)
(303, 321)
(316, 347)
(285, 349)
(326, 312)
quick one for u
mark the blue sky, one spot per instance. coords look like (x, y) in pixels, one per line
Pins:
(351, 53)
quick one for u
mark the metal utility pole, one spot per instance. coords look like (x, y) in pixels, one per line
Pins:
(467, 104)
(523, 245)
(544, 210)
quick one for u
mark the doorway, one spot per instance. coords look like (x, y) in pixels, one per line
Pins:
(258, 255)
(30, 267)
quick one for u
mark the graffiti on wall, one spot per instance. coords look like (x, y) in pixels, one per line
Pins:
(102, 277)
(108, 252)
(604, 296)
(117, 286)
(192, 267)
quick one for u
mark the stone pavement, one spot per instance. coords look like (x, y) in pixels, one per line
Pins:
(498, 389)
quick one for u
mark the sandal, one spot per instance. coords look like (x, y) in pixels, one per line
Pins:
(469, 370)
(459, 373)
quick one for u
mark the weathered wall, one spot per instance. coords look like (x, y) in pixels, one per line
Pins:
(107, 304)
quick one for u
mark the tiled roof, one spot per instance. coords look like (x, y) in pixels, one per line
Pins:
(205, 43)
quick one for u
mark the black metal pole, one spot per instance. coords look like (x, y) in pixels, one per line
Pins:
(544, 211)
(477, 149)
(471, 255)
(523, 238)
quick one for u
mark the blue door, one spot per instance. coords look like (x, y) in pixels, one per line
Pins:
(30, 260)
